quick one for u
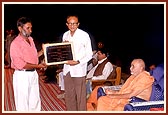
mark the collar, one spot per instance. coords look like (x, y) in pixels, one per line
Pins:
(102, 60)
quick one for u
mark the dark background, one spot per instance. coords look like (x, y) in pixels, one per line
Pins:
(128, 30)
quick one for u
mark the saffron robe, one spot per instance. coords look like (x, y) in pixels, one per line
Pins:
(142, 82)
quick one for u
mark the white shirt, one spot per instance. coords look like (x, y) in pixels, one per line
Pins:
(108, 68)
(82, 51)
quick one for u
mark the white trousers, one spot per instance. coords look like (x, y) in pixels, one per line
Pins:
(26, 91)
(61, 80)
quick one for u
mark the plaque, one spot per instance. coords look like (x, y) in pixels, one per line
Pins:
(58, 53)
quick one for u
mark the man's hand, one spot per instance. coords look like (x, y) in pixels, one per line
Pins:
(72, 62)
(109, 91)
(88, 78)
(42, 65)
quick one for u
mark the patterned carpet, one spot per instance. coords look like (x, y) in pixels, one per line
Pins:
(48, 93)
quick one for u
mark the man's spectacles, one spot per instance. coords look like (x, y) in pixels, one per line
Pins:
(74, 24)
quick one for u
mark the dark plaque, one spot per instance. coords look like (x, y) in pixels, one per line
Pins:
(58, 53)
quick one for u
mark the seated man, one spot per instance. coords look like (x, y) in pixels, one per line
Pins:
(157, 95)
(101, 71)
(139, 84)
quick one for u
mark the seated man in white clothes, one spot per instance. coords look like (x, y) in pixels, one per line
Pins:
(101, 71)
(94, 60)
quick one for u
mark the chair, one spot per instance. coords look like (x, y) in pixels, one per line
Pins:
(114, 78)
(157, 95)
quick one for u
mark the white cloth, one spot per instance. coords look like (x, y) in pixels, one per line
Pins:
(61, 80)
(26, 91)
(95, 56)
(82, 51)
(90, 66)
(108, 68)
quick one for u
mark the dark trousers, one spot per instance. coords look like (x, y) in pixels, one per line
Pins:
(75, 93)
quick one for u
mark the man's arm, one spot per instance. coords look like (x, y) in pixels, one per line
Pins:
(116, 95)
(40, 53)
(37, 66)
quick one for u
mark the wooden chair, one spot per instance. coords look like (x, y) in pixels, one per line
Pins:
(114, 78)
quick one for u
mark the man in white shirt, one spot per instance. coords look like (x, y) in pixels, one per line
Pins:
(74, 71)
(101, 71)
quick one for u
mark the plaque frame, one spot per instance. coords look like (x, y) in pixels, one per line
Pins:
(54, 52)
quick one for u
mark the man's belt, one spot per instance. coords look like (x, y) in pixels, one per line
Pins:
(27, 70)
(30, 69)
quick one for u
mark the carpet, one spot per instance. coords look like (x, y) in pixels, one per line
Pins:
(48, 94)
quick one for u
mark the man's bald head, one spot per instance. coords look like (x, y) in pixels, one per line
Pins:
(137, 66)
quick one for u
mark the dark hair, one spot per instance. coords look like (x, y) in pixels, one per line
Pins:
(72, 15)
(23, 20)
(103, 51)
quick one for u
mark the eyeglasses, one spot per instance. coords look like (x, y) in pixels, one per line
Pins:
(74, 24)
